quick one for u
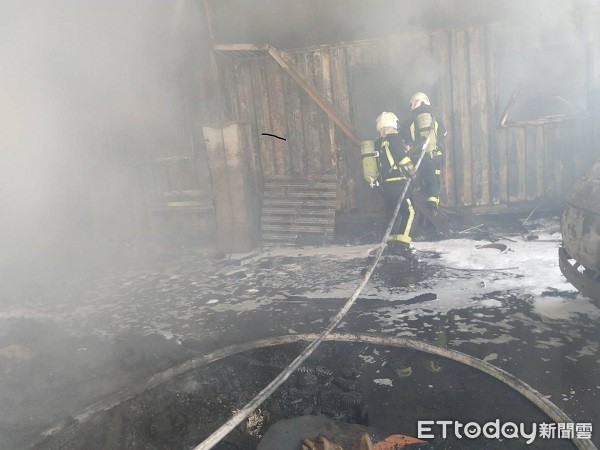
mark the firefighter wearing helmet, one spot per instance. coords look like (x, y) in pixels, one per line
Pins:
(415, 131)
(395, 168)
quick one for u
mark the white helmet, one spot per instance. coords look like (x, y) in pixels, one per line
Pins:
(386, 119)
(418, 99)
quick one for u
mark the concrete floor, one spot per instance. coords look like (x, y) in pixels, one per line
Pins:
(68, 341)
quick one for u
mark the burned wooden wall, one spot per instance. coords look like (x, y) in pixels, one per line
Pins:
(488, 167)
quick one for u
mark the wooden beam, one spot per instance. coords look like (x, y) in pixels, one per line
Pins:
(324, 104)
(211, 50)
(546, 120)
(236, 47)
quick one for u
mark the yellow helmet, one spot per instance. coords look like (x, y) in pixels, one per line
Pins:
(418, 99)
(386, 119)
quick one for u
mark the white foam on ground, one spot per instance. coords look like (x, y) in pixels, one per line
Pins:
(527, 268)
(491, 357)
(340, 252)
(383, 381)
(490, 303)
(589, 349)
(558, 308)
(502, 339)
(535, 261)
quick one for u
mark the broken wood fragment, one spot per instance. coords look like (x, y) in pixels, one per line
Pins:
(421, 205)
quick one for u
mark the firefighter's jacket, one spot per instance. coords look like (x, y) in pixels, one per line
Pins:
(416, 129)
(394, 162)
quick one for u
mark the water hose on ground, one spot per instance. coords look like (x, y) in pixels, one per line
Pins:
(247, 410)
(243, 413)
(545, 405)
(549, 408)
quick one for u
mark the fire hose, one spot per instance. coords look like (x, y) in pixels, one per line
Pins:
(545, 405)
(551, 410)
(548, 407)
(247, 410)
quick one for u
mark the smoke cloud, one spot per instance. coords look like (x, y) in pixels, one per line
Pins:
(86, 83)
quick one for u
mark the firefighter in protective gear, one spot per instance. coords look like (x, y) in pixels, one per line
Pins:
(395, 169)
(415, 131)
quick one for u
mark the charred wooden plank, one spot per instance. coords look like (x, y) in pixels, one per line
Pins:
(309, 211)
(268, 157)
(331, 159)
(302, 185)
(283, 202)
(269, 193)
(441, 51)
(358, 187)
(531, 157)
(497, 141)
(309, 121)
(320, 229)
(263, 116)
(463, 158)
(278, 119)
(294, 135)
(503, 162)
(540, 156)
(513, 165)
(314, 120)
(285, 220)
(322, 154)
(310, 91)
(549, 156)
(479, 115)
(521, 154)
(215, 147)
(341, 100)
(292, 238)
(247, 107)
(309, 178)
(561, 156)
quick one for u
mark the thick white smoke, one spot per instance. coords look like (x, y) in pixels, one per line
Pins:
(84, 83)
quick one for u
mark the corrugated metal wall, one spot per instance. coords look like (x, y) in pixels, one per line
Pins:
(486, 165)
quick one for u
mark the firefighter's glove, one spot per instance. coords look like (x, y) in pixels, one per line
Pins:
(409, 170)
